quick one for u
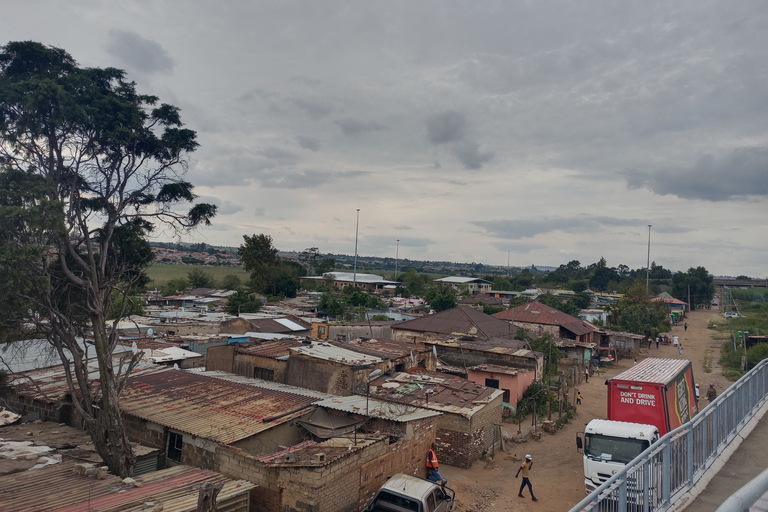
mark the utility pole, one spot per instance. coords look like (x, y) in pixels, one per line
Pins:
(354, 270)
(397, 257)
(648, 265)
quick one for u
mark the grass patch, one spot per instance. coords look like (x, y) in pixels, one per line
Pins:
(161, 273)
(708, 361)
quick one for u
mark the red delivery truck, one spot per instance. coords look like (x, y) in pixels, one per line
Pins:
(656, 392)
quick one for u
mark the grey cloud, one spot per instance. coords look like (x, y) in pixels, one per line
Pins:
(519, 229)
(309, 143)
(448, 126)
(259, 212)
(384, 243)
(403, 227)
(518, 247)
(303, 179)
(352, 127)
(437, 165)
(470, 155)
(138, 53)
(223, 207)
(743, 172)
(316, 109)
(282, 156)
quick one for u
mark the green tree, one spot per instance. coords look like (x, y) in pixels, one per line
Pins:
(331, 304)
(311, 259)
(259, 258)
(568, 307)
(547, 346)
(231, 282)
(98, 155)
(697, 282)
(175, 286)
(242, 302)
(636, 313)
(123, 306)
(442, 301)
(326, 265)
(199, 278)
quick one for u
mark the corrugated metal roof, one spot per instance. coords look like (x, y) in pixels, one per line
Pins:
(265, 384)
(538, 313)
(57, 488)
(305, 452)
(378, 408)
(386, 349)
(211, 408)
(448, 394)
(329, 352)
(275, 349)
(461, 280)
(28, 355)
(654, 370)
(493, 368)
(461, 320)
(290, 324)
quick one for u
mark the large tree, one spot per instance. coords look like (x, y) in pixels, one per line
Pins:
(259, 258)
(88, 166)
(697, 284)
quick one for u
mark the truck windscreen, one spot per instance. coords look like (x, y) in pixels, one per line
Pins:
(614, 449)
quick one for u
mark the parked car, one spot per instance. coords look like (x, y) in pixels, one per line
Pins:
(731, 314)
(406, 493)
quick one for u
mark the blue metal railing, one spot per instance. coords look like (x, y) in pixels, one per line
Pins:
(665, 471)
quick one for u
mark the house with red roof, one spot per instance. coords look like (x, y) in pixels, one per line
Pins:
(539, 319)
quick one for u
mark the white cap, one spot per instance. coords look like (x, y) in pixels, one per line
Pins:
(528, 457)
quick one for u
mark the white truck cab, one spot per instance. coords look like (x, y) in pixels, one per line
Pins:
(609, 445)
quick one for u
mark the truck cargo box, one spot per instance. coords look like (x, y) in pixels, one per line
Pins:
(656, 391)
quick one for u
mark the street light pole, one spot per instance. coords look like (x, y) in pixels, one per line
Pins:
(397, 257)
(648, 265)
(354, 270)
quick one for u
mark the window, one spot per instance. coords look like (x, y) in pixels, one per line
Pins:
(175, 442)
(492, 383)
(507, 395)
(321, 330)
(341, 337)
(263, 373)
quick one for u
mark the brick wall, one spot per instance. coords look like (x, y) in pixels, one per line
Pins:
(462, 440)
(48, 411)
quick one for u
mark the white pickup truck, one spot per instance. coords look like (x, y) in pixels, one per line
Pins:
(406, 493)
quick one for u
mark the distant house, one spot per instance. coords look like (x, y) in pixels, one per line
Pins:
(671, 302)
(540, 319)
(462, 320)
(289, 324)
(484, 299)
(371, 282)
(267, 359)
(472, 284)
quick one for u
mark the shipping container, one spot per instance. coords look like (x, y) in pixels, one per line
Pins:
(656, 392)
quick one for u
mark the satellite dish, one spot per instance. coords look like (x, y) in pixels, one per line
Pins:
(150, 332)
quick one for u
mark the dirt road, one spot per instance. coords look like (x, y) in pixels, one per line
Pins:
(557, 474)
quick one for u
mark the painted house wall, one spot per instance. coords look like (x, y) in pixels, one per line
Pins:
(515, 384)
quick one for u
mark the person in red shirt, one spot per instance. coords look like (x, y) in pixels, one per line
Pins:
(433, 473)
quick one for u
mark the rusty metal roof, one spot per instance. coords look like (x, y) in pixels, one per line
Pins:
(385, 349)
(307, 453)
(208, 407)
(273, 349)
(459, 320)
(435, 391)
(337, 354)
(538, 313)
(506, 346)
(493, 368)
(58, 489)
(654, 370)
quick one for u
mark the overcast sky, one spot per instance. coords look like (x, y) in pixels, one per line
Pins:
(541, 132)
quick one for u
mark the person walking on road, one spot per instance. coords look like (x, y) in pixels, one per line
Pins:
(657, 343)
(696, 394)
(525, 467)
(433, 473)
(578, 398)
(711, 392)
(685, 327)
(586, 374)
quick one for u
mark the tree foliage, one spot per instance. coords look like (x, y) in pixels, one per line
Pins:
(242, 302)
(259, 258)
(697, 282)
(199, 278)
(88, 166)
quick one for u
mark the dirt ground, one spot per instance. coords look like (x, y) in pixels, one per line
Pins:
(557, 474)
